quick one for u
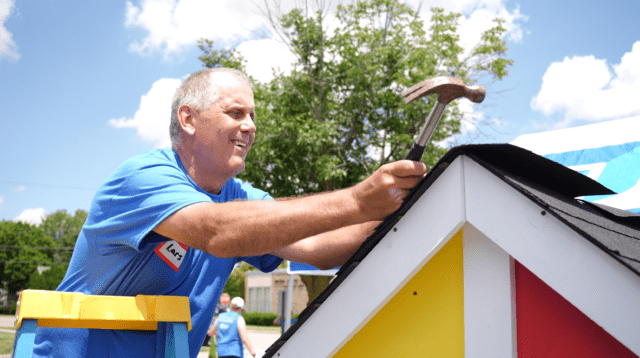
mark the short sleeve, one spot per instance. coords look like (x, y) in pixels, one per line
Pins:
(264, 263)
(135, 199)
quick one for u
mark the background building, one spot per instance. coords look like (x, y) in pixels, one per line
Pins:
(261, 291)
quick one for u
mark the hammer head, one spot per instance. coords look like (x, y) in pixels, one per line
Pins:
(447, 89)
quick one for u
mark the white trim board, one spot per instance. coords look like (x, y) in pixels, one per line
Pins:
(489, 298)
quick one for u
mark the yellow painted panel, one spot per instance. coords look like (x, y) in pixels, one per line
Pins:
(424, 319)
(73, 309)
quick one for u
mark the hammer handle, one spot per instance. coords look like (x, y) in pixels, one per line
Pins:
(417, 149)
(416, 152)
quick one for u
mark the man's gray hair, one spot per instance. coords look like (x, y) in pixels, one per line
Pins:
(199, 91)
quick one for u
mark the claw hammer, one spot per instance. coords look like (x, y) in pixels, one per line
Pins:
(447, 89)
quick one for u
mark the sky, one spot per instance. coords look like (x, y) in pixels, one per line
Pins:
(85, 85)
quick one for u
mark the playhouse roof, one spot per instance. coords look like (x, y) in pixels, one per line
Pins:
(553, 189)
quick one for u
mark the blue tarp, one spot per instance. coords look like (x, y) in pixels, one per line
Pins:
(608, 152)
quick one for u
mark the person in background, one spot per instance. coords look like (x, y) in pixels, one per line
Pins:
(231, 331)
(223, 306)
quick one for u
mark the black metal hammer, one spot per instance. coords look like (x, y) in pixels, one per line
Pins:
(447, 89)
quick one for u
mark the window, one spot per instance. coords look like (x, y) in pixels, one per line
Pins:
(259, 299)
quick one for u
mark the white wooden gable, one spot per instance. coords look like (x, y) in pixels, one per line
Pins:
(499, 224)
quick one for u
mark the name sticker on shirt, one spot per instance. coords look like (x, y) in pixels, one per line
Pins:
(172, 252)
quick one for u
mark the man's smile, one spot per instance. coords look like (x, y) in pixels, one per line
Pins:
(239, 143)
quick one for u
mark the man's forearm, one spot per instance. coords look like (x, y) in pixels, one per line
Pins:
(244, 228)
(330, 249)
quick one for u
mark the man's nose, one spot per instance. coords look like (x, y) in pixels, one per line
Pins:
(248, 125)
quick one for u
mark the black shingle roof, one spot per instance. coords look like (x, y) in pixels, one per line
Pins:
(547, 183)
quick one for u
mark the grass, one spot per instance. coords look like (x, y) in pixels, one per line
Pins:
(6, 342)
(6, 338)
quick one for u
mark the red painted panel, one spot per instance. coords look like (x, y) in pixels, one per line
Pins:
(550, 326)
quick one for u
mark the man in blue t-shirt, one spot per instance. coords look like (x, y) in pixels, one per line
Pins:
(175, 221)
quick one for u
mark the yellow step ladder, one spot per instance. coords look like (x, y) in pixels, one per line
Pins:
(168, 315)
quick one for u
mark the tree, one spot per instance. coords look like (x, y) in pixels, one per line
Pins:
(339, 114)
(64, 229)
(219, 58)
(235, 285)
(49, 279)
(23, 247)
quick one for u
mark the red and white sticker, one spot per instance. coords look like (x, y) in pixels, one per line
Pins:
(173, 253)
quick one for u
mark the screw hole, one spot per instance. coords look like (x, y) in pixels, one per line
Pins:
(395, 229)
(543, 213)
(415, 293)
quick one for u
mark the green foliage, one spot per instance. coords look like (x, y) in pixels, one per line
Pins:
(235, 285)
(23, 248)
(219, 58)
(259, 318)
(64, 230)
(49, 279)
(339, 115)
(491, 50)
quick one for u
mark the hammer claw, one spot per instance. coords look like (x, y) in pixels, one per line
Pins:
(447, 89)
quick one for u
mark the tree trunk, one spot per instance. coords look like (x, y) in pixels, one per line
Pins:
(315, 284)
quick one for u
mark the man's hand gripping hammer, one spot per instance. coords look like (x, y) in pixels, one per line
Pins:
(447, 89)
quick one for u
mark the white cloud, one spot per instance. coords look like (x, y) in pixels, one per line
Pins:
(264, 55)
(586, 88)
(471, 125)
(21, 188)
(477, 17)
(472, 26)
(171, 26)
(31, 216)
(8, 47)
(1, 200)
(151, 120)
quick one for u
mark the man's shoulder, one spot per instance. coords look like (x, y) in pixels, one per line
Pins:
(155, 173)
(150, 165)
(152, 157)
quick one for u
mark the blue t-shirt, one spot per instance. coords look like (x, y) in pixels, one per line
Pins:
(229, 342)
(118, 254)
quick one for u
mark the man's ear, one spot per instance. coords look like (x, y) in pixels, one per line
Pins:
(187, 118)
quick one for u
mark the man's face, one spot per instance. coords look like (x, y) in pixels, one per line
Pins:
(225, 299)
(226, 131)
